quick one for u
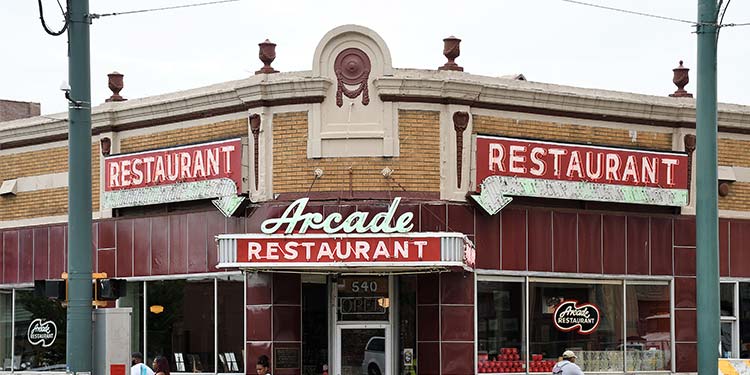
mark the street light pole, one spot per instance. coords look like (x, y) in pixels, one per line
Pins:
(707, 217)
(78, 337)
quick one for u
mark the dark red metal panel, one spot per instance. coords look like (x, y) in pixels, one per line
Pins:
(428, 292)
(287, 289)
(457, 323)
(564, 230)
(638, 245)
(456, 288)
(178, 232)
(287, 322)
(41, 253)
(106, 234)
(739, 248)
(661, 246)
(197, 234)
(488, 241)
(457, 358)
(106, 261)
(433, 217)
(540, 240)
(684, 231)
(125, 258)
(684, 325)
(57, 251)
(216, 225)
(724, 266)
(259, 323)
(10, 257)
(461, 218)
(589, 243)
(428, 358)
(259, 286)
(684, 292)
(142, 247)
(428, 323)
(26, 255)
(684, 261)
(513, 240)
(613, 241)
(686, 357)
(160, 233)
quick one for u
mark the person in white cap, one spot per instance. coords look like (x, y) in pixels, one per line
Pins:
(567, 366)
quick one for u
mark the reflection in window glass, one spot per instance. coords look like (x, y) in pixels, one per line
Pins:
(6, 335)
(407, 327)
(39, 333)
(363, 298)
(599, 350)
(134, 300)
(648, 328)
(314, 324)
(500, 327)
(727, 299)
(180, 324)
(744, 320)
(230, 302)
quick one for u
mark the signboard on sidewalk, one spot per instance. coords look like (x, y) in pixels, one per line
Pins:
(520, 167)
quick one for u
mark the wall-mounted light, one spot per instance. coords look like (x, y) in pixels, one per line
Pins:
(156, 309)
(384, 302)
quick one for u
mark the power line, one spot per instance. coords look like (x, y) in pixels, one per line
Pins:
(160, 9)
(631, 12)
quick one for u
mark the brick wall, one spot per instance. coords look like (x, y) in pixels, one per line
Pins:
(13, 110)
(417, 169)
(552, 131)
(729, 155)
(46, 202)
(738, 198)
(178, 137)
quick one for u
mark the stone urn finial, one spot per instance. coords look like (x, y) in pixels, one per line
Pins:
(451, 50)
(267, 54)
(681, 80)
(115, 84)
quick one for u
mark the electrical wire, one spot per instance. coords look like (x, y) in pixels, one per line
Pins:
(44, 24)
(632, 12)
(160, 9)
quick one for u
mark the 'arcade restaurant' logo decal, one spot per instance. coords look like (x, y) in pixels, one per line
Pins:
(42, 332)
(570, 316)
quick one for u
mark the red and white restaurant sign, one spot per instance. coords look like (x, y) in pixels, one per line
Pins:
(361, 239)
(199, 171)
(570, 171)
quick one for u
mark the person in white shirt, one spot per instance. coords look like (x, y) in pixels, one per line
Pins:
(567, 366)
(138, 367)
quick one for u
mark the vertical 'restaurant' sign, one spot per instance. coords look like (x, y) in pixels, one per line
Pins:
(520, 167)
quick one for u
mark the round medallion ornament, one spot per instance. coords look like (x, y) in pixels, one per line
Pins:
(352, 67)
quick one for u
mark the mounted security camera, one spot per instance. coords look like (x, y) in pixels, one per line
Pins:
(64, 86)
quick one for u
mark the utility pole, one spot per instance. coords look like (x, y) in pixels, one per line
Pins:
(707, 216)
(78, 337)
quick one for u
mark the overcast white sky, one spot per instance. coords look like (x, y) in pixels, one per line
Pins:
(547, 40)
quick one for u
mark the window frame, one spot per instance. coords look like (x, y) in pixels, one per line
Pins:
(623, 283)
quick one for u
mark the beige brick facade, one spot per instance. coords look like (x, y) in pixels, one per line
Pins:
(178, 137)
(41, 203)
(734, 152)
(33, 163)
(738, 198)
(551, 131)
(417, 168)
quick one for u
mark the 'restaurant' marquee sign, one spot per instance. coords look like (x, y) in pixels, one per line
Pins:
(519, 167)
(360, 239)
(200, 171)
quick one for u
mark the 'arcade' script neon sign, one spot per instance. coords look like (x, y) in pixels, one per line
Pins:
(295, 220)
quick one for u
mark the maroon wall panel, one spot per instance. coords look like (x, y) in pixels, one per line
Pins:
(684, 231)
(613, 241)
(142, 247)
(125, 259)
(513, 240)
(661, 246)
(178, 232)
(461, 218)
(287, 289)
(10, 257)
(106, 234)
(428, 289)
(197, 241)
(456, 288)
(259, 323)
(41, 253)
(259, 286)
(254, 350)
(160, 245)
(95, 245)
(457, 323)
(540, 240)
(565, 242)
(684, 292)
(216, 225)
(106, 261)
(458, 358)
(287, 323)
(684, 261)
(57, 251)
(724, 266)
(488, 241)
(684, 325)
(428, 358)
(428, 323)
(26, 256)
(687, 357)
(589, 243)
(638, 245)
(739, 249)
(433, 218)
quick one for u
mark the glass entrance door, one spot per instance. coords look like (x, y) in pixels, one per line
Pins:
(363, 349)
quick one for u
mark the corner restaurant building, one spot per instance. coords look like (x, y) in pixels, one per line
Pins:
(365, 219)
